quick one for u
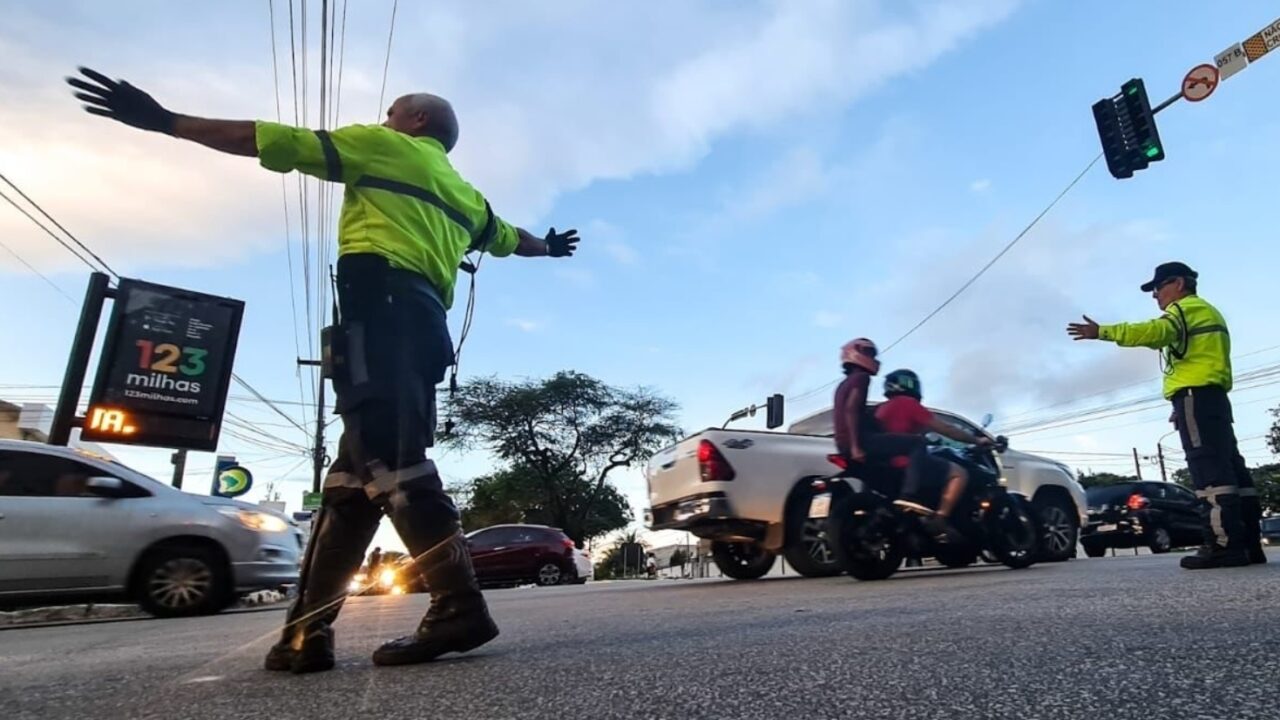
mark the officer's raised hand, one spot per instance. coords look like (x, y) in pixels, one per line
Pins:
(1087, 330)
(121, 101)
(561, 244)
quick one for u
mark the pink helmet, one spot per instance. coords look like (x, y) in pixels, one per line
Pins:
(861, 352)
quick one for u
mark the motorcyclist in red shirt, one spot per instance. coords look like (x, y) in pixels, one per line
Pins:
(903, 413)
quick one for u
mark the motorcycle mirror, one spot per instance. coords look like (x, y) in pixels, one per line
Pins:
(986, 419)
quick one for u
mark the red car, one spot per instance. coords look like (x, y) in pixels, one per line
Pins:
(513, 554)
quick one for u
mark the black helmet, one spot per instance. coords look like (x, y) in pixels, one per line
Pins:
(902, 382)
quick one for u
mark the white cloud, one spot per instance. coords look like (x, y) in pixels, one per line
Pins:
(578, 276)
(1003, 345)
(641, 93)
(524, 325)
(608, 238)
(981, 185)
(827, 319)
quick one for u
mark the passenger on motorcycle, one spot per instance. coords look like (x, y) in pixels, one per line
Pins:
(926, 475)
(858, 438)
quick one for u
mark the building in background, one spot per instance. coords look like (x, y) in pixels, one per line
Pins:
(31, 421)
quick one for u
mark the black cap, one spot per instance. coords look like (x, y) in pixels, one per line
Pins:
(1164, 271)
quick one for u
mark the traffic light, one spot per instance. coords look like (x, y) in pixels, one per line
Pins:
(1127, 129)
(774, 411)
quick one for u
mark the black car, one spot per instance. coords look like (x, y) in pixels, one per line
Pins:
(1158, 515)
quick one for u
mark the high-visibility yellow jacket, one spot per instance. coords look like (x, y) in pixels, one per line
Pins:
(1192, 338)
(403, 199)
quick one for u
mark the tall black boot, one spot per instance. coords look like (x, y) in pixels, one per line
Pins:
(343, 529)
(1224, 534)
(458, 620)
(1251, 512)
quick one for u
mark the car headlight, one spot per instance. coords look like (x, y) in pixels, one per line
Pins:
(387, 578)
(254, 520)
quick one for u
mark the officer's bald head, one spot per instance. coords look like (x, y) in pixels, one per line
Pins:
(424, 115)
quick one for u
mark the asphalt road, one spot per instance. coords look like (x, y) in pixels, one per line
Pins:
(1115, 637)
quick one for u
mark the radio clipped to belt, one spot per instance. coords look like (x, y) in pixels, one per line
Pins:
(335, 344)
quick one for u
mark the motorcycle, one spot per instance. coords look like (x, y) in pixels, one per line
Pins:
(870, 535)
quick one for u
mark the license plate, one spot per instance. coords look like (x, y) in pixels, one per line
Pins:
(1108, 528)
(820, 506)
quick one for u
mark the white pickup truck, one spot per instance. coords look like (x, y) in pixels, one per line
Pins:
(749, 492)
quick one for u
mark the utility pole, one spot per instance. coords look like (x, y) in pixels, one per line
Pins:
(1160, 454)
(179, 460)
(1136, 465)
(317, 450)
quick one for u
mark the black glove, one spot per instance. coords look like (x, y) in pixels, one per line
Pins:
(122, 101)
(561, 244)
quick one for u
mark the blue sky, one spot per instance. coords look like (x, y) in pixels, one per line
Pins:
(755, 184)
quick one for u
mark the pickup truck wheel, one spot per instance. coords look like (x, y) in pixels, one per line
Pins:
(741, 560)
(808, 548)
(1061, 528)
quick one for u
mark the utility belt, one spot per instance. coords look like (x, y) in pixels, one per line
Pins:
(381, 316)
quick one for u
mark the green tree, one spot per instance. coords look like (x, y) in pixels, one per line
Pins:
(563, 430)
(678, 558)
(623, 557)
(519, 495)
(1091, 479)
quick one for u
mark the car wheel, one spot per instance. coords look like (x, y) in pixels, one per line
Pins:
(1095, 551)
(549, 573)
(741, 560)
(1061, 529)
(809, 550)
(183, 581)
(1160, 541)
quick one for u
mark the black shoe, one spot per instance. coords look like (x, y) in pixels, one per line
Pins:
(316, 654)
(1257, 556)
(448, 631)
(941, 530)
(1215, 556)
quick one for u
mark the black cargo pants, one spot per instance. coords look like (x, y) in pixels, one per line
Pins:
(1230, 510)
(389, 351)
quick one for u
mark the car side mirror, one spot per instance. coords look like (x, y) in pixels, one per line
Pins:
(986, 420)
(105, 486)
(932, 438)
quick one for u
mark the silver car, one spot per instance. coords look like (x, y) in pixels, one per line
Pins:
(75, 525)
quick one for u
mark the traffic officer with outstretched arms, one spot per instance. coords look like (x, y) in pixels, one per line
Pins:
(407, 220)
(1195, 350)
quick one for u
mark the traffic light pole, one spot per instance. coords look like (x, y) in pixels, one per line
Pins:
(1166, 103)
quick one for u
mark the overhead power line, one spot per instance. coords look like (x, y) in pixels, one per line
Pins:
(387, 62)
(974, 278)
(57, 224)
(39, 274)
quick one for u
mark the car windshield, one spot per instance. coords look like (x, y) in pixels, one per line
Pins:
(1271, 524)
(1109, 494)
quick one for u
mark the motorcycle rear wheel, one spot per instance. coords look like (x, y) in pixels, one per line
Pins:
(862, 539)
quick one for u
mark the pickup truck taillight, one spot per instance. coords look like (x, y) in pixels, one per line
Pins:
(1136, 502)
(711, 464)
(838, 461)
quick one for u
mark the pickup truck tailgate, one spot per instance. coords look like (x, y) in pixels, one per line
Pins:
(673, 473)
